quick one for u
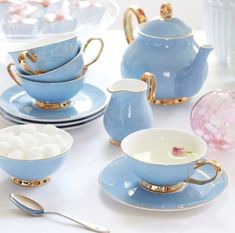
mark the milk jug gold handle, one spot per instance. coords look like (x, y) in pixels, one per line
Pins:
(150, 78)
(128, 27)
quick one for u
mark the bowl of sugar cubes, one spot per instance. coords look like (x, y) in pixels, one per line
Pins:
(31, 153)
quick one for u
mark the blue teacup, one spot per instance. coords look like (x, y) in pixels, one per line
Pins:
(165, 160)
(50, 96)
(45, 54)
(68, 71)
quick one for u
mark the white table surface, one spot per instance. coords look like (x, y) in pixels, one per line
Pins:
(74, 189)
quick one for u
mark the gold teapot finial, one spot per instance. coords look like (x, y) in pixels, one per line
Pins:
(166, 11)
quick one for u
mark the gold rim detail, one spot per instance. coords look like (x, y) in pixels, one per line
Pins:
(52, 106)
(114, 142)
(33, 183)
(162, 188)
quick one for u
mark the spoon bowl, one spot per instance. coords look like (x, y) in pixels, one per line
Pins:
(33, 208)
(27, 205)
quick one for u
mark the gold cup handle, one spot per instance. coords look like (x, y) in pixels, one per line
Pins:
(199, 164)
(99, 52)
(150, 78)
(128, 27)
(12, 73)
(22, 59)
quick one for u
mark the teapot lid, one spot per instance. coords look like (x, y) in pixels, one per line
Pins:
(166, 27)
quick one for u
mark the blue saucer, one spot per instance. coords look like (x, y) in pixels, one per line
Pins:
(119, 183)
(72, 126)
(89, 101)
(83, 121)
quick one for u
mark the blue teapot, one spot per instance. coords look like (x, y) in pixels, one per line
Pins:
(165, 47)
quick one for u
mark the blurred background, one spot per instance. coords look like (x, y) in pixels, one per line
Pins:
(188, 10)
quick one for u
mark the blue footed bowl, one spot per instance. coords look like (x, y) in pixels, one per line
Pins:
(31, 170)
(37, 169)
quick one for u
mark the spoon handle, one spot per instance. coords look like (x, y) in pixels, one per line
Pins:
(86, 225)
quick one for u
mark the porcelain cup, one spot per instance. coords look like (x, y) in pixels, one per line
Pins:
(155, 171)
(50, 96)
(44, 55)
(68, 71)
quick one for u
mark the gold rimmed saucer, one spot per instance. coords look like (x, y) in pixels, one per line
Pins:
(32, 183)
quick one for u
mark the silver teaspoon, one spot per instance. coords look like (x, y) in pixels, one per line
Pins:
(33, 208)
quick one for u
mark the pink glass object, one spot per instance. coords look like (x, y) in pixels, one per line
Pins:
(213, 118)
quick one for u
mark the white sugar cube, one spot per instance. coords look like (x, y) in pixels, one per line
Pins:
(4, 148)
(2, 136)
(25, 136)
(16, 154)
(49, 130)
(29, 139)
(9, 136)
(50, 150)
(16, 142)
(42, 138)
(32, 142)
(34, 153)
(29, 129)
(58, 139)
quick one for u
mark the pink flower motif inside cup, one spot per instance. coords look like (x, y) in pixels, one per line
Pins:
(179, 151)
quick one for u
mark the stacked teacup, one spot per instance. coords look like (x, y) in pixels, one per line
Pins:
(51, 70)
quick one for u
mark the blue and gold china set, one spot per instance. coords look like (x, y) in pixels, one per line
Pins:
(162, 65)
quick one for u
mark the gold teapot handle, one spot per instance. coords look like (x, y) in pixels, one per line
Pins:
(99, 52)
(199, 164)
(128, 27)
(22, 59)
(12, 73)
(152, 85)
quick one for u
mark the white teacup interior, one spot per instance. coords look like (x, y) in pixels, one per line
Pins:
(132, 85)
(164, 146)
(42, 42)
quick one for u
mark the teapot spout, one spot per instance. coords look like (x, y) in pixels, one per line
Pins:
(191, 78)
(201, 57)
